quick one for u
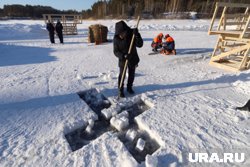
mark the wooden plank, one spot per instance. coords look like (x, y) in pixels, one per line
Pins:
(244, 60)
(233, 68)
(234, 5)
(246, 27)
(216, 47)
(233, 32)
(222, 18)
(234, 51)
(213, 18)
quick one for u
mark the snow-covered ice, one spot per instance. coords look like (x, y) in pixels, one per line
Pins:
(151, 161)
(192, 103)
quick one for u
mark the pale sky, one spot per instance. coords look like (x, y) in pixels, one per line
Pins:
(57, 4)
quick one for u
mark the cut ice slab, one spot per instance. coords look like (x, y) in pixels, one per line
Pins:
(119, 123)
(131, 134)
(140, 144)
(107, 113)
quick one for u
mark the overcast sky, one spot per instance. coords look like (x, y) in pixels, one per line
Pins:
(57, 4)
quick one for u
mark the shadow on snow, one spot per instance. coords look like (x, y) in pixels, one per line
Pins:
(21, 55)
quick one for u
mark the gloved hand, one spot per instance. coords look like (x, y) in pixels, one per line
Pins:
(136, 32)
(127, 56)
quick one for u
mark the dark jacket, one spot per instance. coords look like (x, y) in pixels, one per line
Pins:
(59, 28)
(121, 46)
(169, 45)
(50, 27)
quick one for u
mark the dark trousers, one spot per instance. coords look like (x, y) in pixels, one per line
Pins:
(131, 76)
(60, 36)
(52, 37)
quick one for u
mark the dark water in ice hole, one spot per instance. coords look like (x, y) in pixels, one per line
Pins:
(96, 101)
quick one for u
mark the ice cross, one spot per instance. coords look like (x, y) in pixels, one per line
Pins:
(117, 118)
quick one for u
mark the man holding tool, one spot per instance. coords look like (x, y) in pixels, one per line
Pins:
(125, 42)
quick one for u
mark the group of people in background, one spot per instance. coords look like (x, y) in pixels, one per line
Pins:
(167, 45)
(52, 29)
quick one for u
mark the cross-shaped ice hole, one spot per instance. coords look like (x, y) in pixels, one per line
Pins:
(138, 142)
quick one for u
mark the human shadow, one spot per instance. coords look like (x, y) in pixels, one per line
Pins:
(147, 39)
(220, 80)
(20, 55)
(40, 102)
(186, 51)
(156, 87)
(168, 160)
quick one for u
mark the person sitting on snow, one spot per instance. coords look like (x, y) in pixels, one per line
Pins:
(157, 42)
(168, 46)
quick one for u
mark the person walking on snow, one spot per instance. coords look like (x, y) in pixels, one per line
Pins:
(122, 38)
(50, 27)
(168, 46)
(157, 42)
(59, 28)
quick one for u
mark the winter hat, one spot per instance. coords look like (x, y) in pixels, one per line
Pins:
(160, 35)
(167, 35)
(121, 27)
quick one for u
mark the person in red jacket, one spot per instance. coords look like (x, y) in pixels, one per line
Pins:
(168, 45)
(157, 42)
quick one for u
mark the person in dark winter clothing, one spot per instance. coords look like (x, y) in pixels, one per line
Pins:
(59, 28)
(122, 38)
(50, 27)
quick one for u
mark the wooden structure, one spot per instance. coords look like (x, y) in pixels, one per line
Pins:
(97, 34)
(69, 22)
(232, 51)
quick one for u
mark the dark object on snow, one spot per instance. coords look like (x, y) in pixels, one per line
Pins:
(246, 107)
(98, 34)
(50, 27)
(59, 31)
(122, 39)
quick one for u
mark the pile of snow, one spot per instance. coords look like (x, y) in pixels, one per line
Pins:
(23, 31)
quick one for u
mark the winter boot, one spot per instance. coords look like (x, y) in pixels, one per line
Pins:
(174, 52)
(121, 93)
(130, 90)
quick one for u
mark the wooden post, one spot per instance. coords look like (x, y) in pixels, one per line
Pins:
(222, 17)
(245, 28)
(243, 19)
(213, 18)
(243, 63)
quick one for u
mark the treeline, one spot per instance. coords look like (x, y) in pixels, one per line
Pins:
(123, 9)
(31, 11)
(153, 8)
